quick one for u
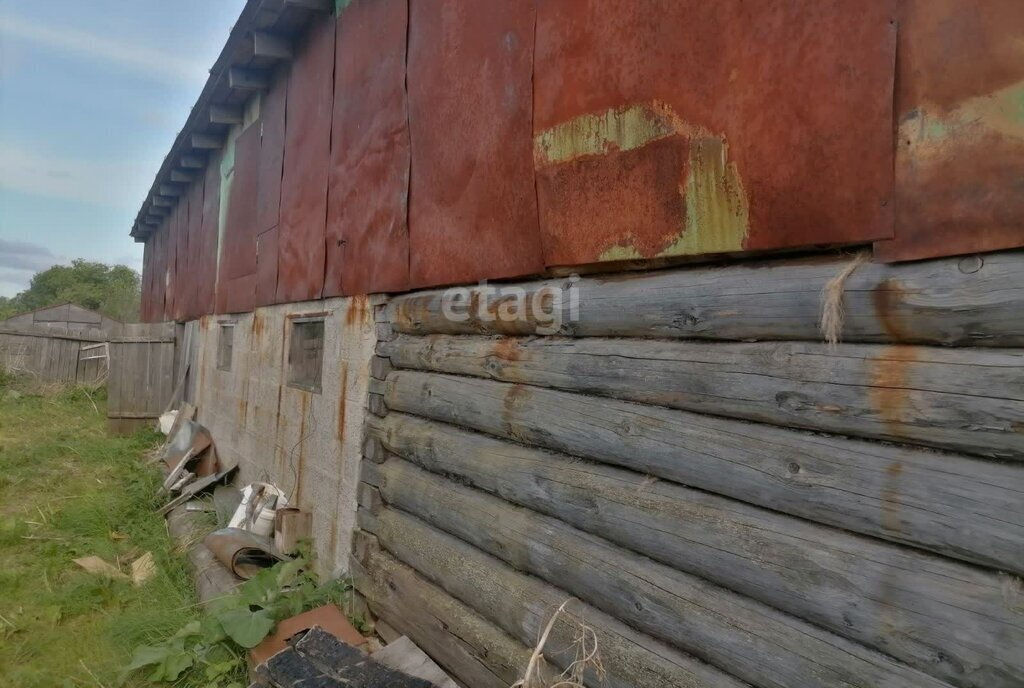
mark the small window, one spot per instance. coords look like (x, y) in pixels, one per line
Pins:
(225, 346)
(306, 354)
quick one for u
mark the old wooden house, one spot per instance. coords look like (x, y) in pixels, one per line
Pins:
(708, 316)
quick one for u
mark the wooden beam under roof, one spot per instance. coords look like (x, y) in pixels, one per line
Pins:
(243, 79)
(170, 190)
(194, 162)
(271, 45)
(161, 202)
(182, 176)
(154, 219)
(316, 5)
(226, 114)
(207, 141)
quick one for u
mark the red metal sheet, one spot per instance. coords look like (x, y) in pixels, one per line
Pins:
(472, 204)
(367, 232)
(159, 312)
(272, 129)
(266, 267)
(146, 301)
(175, 245)
(238, 257)
(307, 157)
(683, 127)
(192, 309)
(206, 273)
(960, 142)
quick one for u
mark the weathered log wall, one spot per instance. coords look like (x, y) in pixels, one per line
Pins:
(767, 511)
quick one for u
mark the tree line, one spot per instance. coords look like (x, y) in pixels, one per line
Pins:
(113, 290)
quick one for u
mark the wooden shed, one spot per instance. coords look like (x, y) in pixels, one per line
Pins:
(65, 318)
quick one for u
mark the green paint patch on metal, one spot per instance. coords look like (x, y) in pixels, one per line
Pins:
(1001, 112)
(717, 215)
(619, 129)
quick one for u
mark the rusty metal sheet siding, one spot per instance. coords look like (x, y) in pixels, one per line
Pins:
(175, 237)
(307, 158)
(146, 300)
(238, 257)
(266, 267)
(367, 207)
(159, 312)
(272, 128)
(192, 309)
(685, 127)
(960, 138)
(472, 203)
(206, 273)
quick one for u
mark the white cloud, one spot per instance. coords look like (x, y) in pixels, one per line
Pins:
(113, 183)
(138, 58)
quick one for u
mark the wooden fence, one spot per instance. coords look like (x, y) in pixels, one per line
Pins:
(55, 357)
(142, 375)
(138, 366)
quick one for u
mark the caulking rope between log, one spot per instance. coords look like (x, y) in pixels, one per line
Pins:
(832, 311)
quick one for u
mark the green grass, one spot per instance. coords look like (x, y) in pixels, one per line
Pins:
(67, 490)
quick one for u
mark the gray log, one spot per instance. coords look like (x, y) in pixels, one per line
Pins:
(953, 505)
(968, 400)
(936, 302)
(523, 605)
(748, 640)
(937, 615)
(470, 648)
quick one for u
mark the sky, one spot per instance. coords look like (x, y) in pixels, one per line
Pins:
(92, 95)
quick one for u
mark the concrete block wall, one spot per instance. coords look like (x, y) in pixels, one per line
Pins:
(306, 443)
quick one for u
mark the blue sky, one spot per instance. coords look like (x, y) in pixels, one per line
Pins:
(92, 95)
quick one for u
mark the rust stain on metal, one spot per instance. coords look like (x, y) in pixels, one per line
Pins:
(960, 138)
(890, 391)
(206, 273)
(711, 215)
(266, 267)
(367, 229)
(472, 201)
(307, 157)
(683, 127)
(342, 400)
(272, 133)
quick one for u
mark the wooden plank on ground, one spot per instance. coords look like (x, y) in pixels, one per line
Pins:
(745, 639)
(944, 502)
(933, 302)
(967, 400)
(939, 616)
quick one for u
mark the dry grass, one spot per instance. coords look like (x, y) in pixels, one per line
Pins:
(586, 657)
